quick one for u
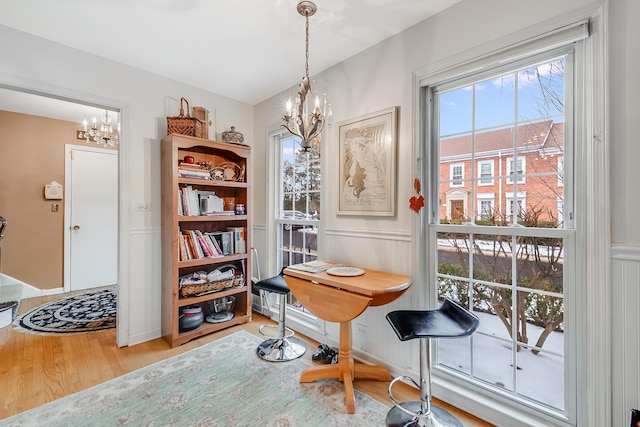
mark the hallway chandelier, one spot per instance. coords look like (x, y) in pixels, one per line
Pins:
(302, 119)
(104, 134)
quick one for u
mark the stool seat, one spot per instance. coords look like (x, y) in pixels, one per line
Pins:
(448, 321)
(274, 284)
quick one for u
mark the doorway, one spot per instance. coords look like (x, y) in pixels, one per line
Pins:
(91, 217)
(16, 95)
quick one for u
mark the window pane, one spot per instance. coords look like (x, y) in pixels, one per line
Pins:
(492, 361)
(456, 111)
(495, 99)
(456, 354)
(453, 267)
(541, 90)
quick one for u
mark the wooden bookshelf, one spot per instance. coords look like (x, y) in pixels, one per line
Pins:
(174, 149)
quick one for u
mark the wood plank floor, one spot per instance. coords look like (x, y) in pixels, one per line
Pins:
(36, 369)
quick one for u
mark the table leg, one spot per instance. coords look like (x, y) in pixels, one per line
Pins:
(346, 370)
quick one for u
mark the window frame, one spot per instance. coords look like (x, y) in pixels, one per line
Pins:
(426, 83)
(454, 181)
(490, 177)
(521, 170)
(296, 316)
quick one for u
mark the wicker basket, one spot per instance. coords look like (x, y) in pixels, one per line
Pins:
(184, 124)
(197, 289)
(205, 288)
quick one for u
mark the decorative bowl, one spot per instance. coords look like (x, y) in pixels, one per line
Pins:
(223, 304)
(233, 136)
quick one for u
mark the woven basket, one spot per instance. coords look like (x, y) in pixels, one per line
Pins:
(202, 288)
(236, 281)
(184, 124)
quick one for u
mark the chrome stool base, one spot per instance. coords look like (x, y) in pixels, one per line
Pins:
(281, 349)
(438, 417)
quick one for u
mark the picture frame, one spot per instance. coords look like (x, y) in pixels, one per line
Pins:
(367, 164)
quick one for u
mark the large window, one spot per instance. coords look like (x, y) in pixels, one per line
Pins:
(506, 260)
(298, 212)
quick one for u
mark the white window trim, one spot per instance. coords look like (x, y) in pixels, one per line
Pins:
(510, 174)
(453, 183)
(560, 171)
(491, 164)
(297, 319)
(485, 197)
(521, 199)
(593, 363)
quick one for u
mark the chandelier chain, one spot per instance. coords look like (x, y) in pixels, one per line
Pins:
(306, 47)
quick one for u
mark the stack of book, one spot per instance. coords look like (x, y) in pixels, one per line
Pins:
(189, 201)
(194, 244)
(191, 170)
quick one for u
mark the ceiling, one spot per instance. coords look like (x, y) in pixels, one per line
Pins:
(247, 50)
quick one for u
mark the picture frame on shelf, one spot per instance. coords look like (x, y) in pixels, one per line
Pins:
(367, 164)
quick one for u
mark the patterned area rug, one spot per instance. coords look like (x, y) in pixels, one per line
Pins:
(223, 383)
(84, 312)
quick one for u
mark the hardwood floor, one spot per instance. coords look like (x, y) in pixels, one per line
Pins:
(36, 369)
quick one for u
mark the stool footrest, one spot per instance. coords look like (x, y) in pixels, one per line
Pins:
(288, 331)
(393, 399)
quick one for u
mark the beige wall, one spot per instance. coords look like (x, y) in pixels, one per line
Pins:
(31, 156)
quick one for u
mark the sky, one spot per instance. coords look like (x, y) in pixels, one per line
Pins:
(496, 99)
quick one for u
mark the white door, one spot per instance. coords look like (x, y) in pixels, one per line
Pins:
(92, 204)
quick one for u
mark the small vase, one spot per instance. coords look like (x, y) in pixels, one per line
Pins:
(233, 136)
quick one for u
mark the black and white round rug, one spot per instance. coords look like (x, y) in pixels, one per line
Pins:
(84, 312)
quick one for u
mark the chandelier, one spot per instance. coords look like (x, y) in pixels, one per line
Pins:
(104, 134)
(302, 119)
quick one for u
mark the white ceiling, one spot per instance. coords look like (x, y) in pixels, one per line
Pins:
(248, 50)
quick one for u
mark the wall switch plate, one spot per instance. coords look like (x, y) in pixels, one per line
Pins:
(54, 207)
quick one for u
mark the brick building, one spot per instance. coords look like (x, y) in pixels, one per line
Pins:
(483, 174)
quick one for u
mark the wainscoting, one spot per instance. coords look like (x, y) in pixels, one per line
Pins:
(144, 292)
(625, 332)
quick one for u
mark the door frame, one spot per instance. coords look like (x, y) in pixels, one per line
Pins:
(67, 206)
(56, 92)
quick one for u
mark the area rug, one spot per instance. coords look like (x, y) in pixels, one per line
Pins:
(94, 310)
(223, 383)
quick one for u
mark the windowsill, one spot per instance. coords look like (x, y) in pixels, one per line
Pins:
(490, 409)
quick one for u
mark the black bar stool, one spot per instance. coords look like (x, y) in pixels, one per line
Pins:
(284, 346)
(448, 321)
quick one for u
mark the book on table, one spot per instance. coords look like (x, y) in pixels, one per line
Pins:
(314, 266)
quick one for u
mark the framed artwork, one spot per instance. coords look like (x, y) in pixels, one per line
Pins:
(634, 418)
(368, 164)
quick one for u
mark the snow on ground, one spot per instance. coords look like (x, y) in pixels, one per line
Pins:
(538, 377)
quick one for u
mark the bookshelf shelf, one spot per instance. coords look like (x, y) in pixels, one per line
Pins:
(193, 245)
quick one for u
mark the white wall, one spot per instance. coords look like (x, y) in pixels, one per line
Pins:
(624, 116)
(383, 76)
(146, 100)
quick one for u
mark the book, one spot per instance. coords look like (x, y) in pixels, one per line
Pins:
(239, 243)
(214, 242)
(225, 242)
(314, 266)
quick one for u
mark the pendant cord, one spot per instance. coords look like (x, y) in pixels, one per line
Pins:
(306, 61)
